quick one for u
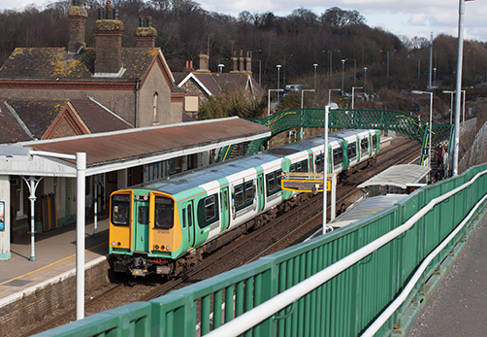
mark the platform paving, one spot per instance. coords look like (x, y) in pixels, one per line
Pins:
(458, 307)
(55, 253)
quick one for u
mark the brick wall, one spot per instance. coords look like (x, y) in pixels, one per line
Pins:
(18, 316)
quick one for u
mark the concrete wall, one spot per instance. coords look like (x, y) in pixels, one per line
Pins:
(5, 234)
(156, 82)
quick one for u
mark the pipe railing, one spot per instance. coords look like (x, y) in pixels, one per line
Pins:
(265, 310)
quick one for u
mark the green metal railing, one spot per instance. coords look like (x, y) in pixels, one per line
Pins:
(400, 122)
(343, 306)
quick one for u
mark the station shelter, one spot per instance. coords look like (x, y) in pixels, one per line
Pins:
(115, 160)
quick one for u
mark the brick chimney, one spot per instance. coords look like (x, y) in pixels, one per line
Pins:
(248, 60)
(241, 62)
(204, 63)
(234, 63)
(145, 34)
(77, 26)
(108, 40)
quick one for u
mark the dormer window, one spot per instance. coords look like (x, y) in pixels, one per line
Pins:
(154, 107)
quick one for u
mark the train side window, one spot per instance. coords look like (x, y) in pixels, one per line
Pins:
(303, 166)
(164, 213)
(239, 196)
(143, 215)
(337, 156)
(319, 162)
(374, 143)
(352, 151)
(364, 144)
(249, 192)
(273, 180)
(184, 217)
(210, 209)
(120, 210)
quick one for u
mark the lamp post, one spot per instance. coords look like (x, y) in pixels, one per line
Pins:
(464, 92)
(430, 126)
(451, 101)
(365, 76)
(301, 133)
(343, 73)
(315, 65)
(353, 93)
(354, 70)
(278, 67)
(330, 63)
(329, 94)
(434, 77)
(269, 99)
(325, 167)
(461, 12)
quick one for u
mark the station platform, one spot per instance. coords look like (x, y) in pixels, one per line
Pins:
(55, 253)
(457, 306)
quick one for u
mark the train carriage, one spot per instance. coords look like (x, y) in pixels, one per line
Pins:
(163, 227)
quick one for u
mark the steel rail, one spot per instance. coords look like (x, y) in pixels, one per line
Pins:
(263, 311)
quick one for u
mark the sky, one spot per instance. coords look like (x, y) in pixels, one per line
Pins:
(408, 17)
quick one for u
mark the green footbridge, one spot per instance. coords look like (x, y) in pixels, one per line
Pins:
(400, 122)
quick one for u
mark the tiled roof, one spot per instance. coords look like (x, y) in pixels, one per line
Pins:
(216, 83)
(96, 118)
(57, 63)
(10, 129)
(36, 114)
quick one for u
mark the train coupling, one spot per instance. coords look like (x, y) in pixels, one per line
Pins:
(138, 272)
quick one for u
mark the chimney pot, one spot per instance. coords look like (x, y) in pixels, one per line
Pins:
(108, 40)
(204, 62)
(77, 26)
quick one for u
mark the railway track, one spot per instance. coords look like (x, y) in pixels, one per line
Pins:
(284, 231)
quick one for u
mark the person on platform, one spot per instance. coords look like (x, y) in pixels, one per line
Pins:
(342, 209)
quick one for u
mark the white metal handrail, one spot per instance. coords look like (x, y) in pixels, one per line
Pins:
(263, 311)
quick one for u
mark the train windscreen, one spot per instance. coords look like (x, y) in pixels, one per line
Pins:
(164, 213)
(120, 210)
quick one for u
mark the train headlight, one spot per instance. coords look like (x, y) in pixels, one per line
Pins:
(114, 243)
(168, 247)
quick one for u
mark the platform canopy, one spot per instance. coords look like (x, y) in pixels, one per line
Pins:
(366, 208)
(402, 176)
(116, 150)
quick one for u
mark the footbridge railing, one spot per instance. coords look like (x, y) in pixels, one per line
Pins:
(400, 122)
(375, 294)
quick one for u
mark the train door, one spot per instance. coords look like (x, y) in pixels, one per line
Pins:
(260, 191)
(141, 232)
(225, 208)
(188, 222)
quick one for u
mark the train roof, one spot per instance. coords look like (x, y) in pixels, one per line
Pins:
(199, 177)
(350, 133)
(303, 145)
(401, 176)
(366, 208)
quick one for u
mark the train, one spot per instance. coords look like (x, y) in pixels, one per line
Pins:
(165, 227)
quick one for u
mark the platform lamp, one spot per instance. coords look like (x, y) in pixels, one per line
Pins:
(419, 92)
(461, 12)
(278, 67)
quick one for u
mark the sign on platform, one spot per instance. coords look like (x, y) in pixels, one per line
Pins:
(304, 182)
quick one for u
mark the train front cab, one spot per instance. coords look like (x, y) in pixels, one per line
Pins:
(144, 232)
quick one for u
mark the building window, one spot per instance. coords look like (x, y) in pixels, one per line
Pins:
(154, 107)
